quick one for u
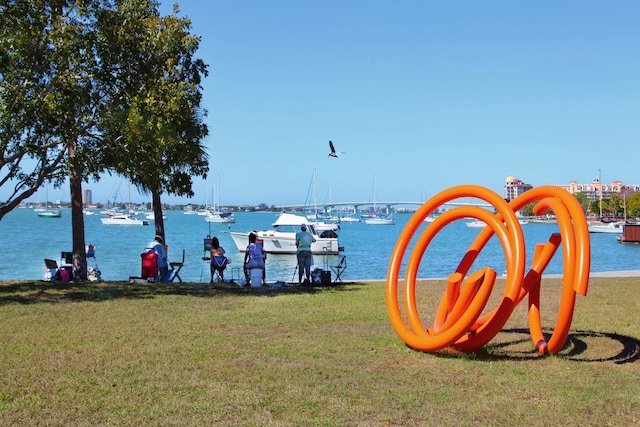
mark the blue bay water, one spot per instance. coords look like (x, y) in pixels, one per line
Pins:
(28, 240)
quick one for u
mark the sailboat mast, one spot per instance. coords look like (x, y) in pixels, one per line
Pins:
(315, 196)
(216, 194)
(375, 190)
(600, 190)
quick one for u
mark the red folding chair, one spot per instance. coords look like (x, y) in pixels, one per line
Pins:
(149, 265)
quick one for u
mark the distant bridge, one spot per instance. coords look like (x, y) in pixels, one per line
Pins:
(324, 207)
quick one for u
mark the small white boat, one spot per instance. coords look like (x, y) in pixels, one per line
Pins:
(151, 216)
(605, 227)
(188, 210)
(123, 219)
(479, 223)
(220, 217)
(88, 212)
(320, 225)
(349, 218)
(109, 212)
(379, 220)
(281, 238)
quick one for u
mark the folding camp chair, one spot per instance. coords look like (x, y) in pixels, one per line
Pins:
(175, 272)
(218, 266)
(51, 270)
(338, 269)
(66, 260)
(149, 266)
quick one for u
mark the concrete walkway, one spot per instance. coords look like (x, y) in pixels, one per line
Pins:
(621, 273)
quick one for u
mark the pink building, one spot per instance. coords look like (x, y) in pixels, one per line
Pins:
(513, 187)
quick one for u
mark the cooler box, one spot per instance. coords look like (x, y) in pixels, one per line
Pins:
(255, 275)
(326, 277)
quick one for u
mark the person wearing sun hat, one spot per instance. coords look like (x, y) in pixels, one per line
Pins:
(304, 239)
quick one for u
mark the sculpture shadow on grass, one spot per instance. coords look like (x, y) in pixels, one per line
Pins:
(581, 346)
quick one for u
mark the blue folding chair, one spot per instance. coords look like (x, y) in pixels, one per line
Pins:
(218, 266)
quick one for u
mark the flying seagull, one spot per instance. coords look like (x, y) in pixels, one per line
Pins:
(333, 152)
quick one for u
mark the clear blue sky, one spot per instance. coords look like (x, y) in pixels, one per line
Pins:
(423, 95)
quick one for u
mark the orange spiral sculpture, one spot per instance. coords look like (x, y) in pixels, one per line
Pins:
(458, 322)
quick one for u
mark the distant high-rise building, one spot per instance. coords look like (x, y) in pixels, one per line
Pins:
(513, 187)
(86, 197)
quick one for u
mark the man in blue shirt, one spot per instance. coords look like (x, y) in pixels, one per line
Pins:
(304, 239)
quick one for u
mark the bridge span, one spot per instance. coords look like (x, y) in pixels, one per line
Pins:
(327, 207)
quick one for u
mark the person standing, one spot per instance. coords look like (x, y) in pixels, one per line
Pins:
(304, 239)
(157, 246)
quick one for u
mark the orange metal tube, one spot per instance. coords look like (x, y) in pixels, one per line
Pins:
(457, 321)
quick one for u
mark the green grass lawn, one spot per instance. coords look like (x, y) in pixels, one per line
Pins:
(196, 354)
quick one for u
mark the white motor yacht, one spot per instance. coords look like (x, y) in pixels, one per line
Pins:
(281, 238)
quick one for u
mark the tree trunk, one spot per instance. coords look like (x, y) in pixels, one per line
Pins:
(157, 214)
(77, 225)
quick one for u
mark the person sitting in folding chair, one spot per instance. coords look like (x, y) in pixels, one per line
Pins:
(157, 246)
(218, 260)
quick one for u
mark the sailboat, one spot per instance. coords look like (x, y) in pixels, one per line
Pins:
(123, 219)
(316, 219)
(47, 212)
(377, 218)
(86, 209)
(216, 215)
(600, 226)
(188, 210)
(349, 218)
(119, 218)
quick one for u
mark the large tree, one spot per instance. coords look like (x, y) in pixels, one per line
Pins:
(160, 121)
(50, 102)
(36, 90)
(77, 93)
(633, 206)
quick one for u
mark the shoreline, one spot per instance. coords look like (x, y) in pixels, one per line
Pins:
(604, 274)
(608, 274)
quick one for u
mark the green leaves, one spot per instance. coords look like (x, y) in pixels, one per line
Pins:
(112, 83)
(163, 127)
